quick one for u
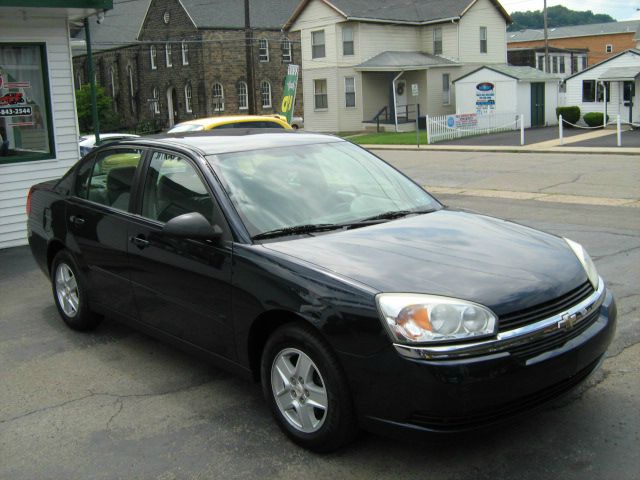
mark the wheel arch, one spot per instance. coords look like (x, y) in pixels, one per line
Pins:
(261, 329)
(53, 248)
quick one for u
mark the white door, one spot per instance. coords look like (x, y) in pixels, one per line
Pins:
(401, 99)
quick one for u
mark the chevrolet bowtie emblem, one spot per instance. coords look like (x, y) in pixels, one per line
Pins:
(568, 321)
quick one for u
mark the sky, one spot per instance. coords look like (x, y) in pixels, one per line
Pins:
(618, 9)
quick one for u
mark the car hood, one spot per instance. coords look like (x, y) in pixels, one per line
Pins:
(493, 262)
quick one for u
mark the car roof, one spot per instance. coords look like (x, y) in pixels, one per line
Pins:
(234, 140)
(223, 120)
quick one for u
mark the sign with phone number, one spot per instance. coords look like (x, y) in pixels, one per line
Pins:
(15, 111)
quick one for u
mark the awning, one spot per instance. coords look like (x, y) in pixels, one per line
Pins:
(402, 61)
(620, 74)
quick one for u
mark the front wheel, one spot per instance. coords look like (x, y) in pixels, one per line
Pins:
(70, 295)
(306, 389)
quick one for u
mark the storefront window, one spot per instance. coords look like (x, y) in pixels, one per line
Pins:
(25, 116)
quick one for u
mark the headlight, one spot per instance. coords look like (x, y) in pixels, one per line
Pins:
(428, 318)
(586, 262)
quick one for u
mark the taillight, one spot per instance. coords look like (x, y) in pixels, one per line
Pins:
(29, 201)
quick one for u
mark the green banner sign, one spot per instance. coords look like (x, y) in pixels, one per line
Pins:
(289, 93)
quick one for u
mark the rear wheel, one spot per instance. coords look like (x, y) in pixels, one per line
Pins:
(70, 294)
(306, 389)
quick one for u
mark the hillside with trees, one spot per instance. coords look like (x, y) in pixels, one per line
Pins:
(558, 16)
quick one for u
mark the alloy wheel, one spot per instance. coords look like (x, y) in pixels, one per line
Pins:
(67, 290)
(299, 390)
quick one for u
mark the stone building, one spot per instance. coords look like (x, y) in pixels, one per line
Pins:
(187, 59)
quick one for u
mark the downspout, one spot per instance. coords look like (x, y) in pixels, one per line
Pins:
(395, 103)
(92, 82)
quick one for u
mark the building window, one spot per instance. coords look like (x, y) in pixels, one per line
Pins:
(609, 48)
(584, 63)
(78, 79)
(437, 41)
(167, 55)
(26, 128)
(347, 41)
(483, 39)
(317, 44)
(541, 62)
(588, 90)
(243, 96)
(320, 94)
(153, 54)
(562, 66)
(265, 92)
(602, 89)
(113, 87)
(187, 98)
(349, 92)
(218, 97)
(185, 53)
(555, 64)
(286, 51)
(156, 101)
(132, 91)
(263, 50)
(446, 89)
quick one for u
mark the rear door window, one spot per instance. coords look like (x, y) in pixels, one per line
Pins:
(108, 180)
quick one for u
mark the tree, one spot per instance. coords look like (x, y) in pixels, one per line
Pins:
(108, 118)
(559, 16)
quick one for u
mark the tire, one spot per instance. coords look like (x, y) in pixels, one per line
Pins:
(70, 295)
(296, 404)
(294, 126)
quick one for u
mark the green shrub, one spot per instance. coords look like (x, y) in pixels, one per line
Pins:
(594, 119)
(569, 114)
(109, 120)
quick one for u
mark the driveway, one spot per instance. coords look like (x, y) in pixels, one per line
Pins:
(117, 404)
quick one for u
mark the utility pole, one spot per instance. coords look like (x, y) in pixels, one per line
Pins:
(249, 59)
(92, 82)
(547, 66)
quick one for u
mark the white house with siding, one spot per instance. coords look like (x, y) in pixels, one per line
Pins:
(617, 78)
(38, 122)
(363, 61)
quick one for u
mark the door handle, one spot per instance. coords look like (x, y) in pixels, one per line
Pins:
(140, 241)
(76, 220)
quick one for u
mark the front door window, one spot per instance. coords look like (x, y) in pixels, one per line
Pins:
(172, 188)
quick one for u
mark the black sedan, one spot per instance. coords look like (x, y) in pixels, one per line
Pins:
(308, 264)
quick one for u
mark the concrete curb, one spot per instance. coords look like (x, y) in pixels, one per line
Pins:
(525, 149)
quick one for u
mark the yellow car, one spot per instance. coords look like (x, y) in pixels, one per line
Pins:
(232, 121)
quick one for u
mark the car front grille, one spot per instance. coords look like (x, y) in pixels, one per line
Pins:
(544, 310)
(501, 412)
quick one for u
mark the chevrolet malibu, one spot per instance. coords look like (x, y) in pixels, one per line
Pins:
(306, 263)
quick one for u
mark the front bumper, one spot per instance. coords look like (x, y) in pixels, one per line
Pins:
(458, 394)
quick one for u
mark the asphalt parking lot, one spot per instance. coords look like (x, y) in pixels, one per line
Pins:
(117, 404)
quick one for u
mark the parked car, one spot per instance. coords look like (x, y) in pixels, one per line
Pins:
(306, 263)
(297, 123)
(231, 121)
(88, 142)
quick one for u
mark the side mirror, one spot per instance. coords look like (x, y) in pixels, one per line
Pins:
(192, 225)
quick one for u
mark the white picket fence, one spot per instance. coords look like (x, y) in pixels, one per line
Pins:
(449, 127)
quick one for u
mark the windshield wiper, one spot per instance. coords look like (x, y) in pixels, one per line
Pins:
(391, 215)
(297, 230)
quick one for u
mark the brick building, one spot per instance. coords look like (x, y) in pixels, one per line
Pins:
(187, 59)
(602, 40)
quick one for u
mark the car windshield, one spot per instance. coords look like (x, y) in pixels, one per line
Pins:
(294, 189)
(186, 127)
